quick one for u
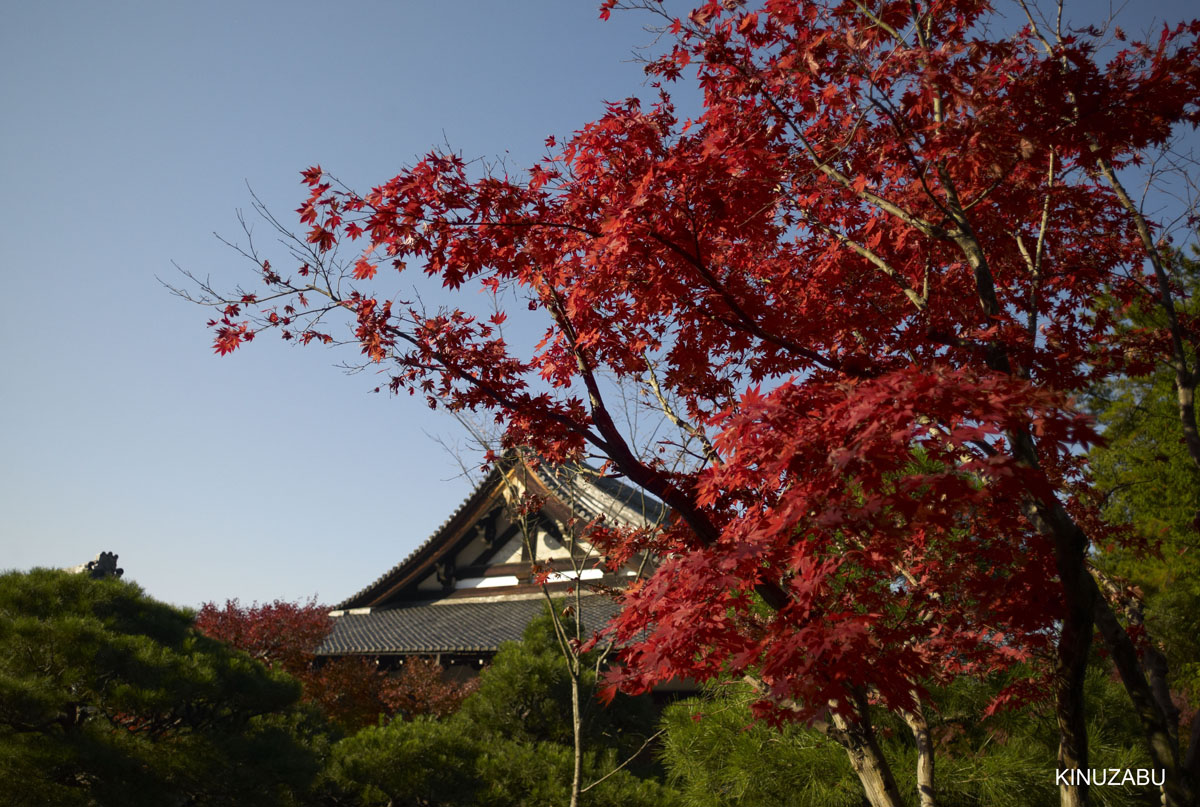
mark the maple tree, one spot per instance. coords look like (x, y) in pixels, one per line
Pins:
(352, 691)
(863, 283)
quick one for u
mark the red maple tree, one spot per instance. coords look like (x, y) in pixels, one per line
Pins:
(866, 284)
(352, 691)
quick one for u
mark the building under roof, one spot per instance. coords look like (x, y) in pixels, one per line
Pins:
(470, 586)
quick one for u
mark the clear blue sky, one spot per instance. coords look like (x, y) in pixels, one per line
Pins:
(130, 131)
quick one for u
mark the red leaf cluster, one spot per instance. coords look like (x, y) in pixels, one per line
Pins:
(352, 691)
(867, 278)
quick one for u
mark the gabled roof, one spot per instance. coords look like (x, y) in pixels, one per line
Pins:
(579, 487)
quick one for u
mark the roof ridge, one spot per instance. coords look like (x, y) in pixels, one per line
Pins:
(626, 497)
(437, 532)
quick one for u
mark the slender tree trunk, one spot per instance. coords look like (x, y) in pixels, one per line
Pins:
(1074, 646)
(528, 527)
(577, 735)
(1070, 671)
(1080, 596)
(1154, 663)
(1164, 754)
(926, 792)
(866, 757)
(1185, 392)
(1052, 520)
(1192, 763)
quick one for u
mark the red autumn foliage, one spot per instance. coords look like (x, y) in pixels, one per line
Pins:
(867, 280)
(419, 687)
(352, 691)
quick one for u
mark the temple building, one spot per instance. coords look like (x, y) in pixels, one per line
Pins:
(470, 586)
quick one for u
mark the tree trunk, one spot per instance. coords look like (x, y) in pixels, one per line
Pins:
(1185, 391)
(926, 793)
(1080, 596)
(1163, 753)
(1154, 663)
(577, 735)
(1191, 765)
(1069, 673)
(866, 758)
(1080, 590)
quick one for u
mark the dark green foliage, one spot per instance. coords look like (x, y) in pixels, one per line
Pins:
(419, 762)
(1153, 486)
(719, 756)
(1010, 759)
(1150, 483)
(525, 695)
(510, 744)
(108, 697)
(450, 764)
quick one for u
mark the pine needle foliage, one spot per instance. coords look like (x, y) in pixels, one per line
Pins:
(509, 744)
(108, 697)
(1149, 483)
(717, 755)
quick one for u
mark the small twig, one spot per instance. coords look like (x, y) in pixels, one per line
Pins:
(649, 740)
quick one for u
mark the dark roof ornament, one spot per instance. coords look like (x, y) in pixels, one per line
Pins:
(446, 573)
(104, 565)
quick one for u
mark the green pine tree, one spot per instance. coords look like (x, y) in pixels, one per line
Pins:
(509, 744)
(108, 697)
(1150, 484)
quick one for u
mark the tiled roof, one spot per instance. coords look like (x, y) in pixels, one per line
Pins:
(448, 626)
(575, 483)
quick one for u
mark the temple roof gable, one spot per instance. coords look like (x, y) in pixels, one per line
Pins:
(479, 547)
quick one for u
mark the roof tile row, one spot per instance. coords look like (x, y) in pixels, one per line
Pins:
(448, 626)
